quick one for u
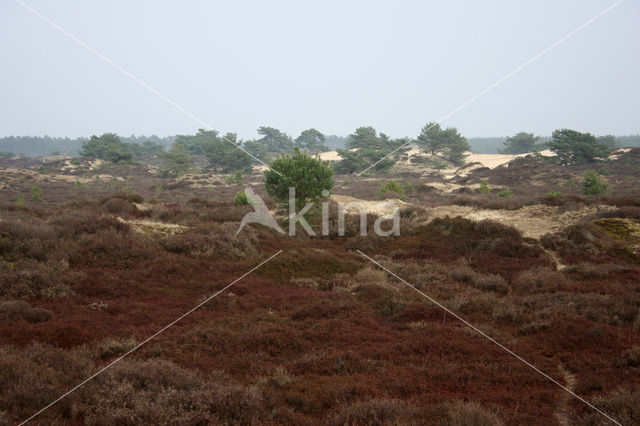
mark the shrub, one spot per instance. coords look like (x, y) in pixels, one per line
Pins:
(379, 411)
(220, 241)
(631, 357)
(474, 304)
(20, 201)
(34, 279)
(485, 282)
(508, 312)
(484, 187)
(539, 280)
(241, 198)
(592, 184)
(438, 164)
(305, 283)
(36, 192)
(553, 193)
(371, 276)
(589, 270)
(470, 414)
(623, 404)
(281, 377)
(463, 273)
(504, 193)
(37, 374)
(16, 310)
(392, 186)
(114, 346)
(491, 282)
(310, 177)
(131, 392)
(175, 163)
(160, 392)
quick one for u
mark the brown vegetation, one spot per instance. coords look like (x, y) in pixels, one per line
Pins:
(319, 334)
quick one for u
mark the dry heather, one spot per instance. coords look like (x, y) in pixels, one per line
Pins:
(319, 335)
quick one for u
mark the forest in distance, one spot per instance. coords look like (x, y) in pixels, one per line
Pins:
(38, 146)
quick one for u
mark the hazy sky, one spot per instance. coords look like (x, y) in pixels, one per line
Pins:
(332, 65)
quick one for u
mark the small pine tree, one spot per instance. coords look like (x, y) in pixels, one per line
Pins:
(20, 201)
(310, 176)
(592, 184)
(505, 193)
(176, 162)
(36, 192)
(241, 198)
(484, 188)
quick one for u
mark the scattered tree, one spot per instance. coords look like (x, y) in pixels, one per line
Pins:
(146, 149)
(224, 154)
(194, 144)
(365, 148)
(312, 140)
(609, 141)
(521, 143)
(448, 142)
(272, 142)
(108, 147)
(176, 162)
(576, 148)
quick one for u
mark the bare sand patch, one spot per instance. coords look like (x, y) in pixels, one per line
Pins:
(533, 221)
(382, 207)
(148, 227)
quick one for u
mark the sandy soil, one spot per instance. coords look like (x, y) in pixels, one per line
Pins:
(383, 207)
(486, 160)
(148, 227)
(532, 221)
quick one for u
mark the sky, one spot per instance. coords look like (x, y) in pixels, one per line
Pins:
(330, 65)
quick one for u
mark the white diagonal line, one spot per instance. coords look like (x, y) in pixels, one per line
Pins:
(498, 82)
(491, 339)
(147, 339)
(136, 79)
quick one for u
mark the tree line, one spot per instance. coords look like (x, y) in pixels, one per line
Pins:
(364, 148)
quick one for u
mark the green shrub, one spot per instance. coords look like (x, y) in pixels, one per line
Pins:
(241, 198)
(504, 193)
(391, 186)
(438, 164)
(553, 193)
(20, 201)
(484, 188)
(175, 162)
(108, 147)
(592, 184)
(36, 192)
(310, 177)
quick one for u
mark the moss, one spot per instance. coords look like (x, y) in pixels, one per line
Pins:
(620, 229)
